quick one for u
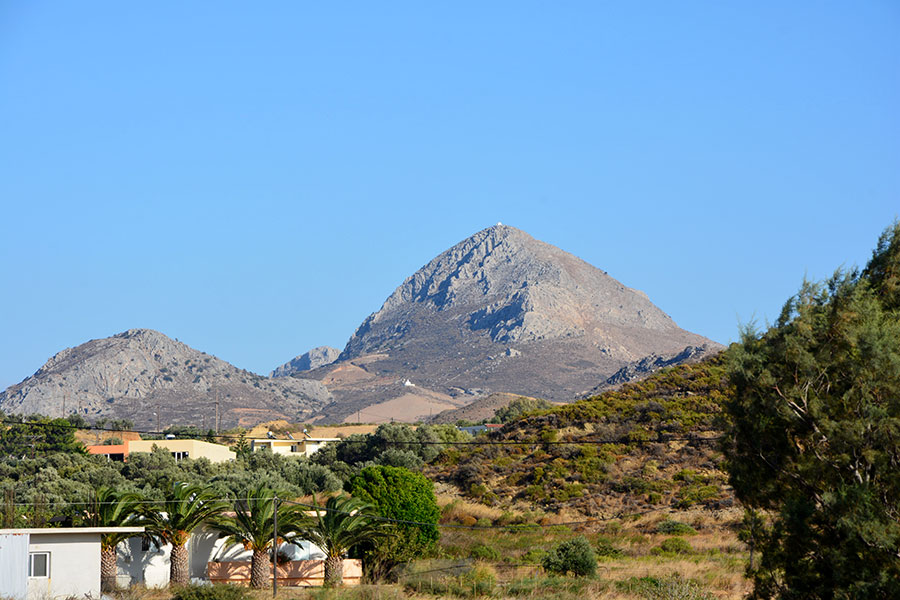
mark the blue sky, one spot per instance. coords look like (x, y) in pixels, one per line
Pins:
(255, 179)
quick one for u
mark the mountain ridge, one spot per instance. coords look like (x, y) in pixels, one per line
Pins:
(501, 312)
(138, 372)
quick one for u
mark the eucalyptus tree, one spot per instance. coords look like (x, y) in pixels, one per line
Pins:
(185, 508)
(252, 525)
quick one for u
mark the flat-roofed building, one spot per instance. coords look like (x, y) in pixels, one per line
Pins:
(304, 447)
(116, 452)
(179, 448)
(58, 562)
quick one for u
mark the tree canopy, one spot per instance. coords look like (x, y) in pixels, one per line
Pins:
(815, 434)
(405, 496)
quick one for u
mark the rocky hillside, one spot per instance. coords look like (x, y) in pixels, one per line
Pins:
(140, 372)
(502, 312)
(315, 358)
(480, 410)
(649, 364)
(665, 428)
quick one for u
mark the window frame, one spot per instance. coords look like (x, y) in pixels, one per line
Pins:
(31, 557)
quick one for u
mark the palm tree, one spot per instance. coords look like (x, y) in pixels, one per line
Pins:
(112, 508)
(252, 525)
(343, 523)
(185, 508)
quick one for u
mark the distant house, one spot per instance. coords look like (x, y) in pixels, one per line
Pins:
(114, 452)
(37, 564)
(179, 448)
(302, 447)
(476, 429)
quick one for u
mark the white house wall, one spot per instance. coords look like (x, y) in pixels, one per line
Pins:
(14, 565)
(74, 565)
(151, 567)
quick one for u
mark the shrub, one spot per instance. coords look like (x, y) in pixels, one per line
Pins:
(695, 494)
(482, 577)
(549, 435)
(672, 546)
(220, 591)
(670, 527)
(573, 556)
(534, 556)
(606, 549)
(484, 552)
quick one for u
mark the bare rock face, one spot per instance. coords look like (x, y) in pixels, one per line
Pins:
(647, 365)
(503, 312)
(315, 358)
(141, 374)
(503, 283)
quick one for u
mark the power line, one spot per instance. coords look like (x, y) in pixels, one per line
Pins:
(517, 527)
(622, 440)
(322, 509)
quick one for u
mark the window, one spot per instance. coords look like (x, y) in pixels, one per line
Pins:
(145, 544)
(39, 564)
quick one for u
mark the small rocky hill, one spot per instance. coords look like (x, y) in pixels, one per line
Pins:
(649, 364)
(140, 372)
(501, 312)
(315, 358)
(665, 450)
(480, 410)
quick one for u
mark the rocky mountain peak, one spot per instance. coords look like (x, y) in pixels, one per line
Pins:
(498, 312)
(137, 372)
(505, 284)
(315, 358)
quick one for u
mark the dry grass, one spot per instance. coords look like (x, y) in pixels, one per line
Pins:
(723, 579)
(457, 510)
(716, 562)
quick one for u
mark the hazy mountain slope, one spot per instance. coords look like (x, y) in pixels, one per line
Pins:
(315, 358)
(503, 312)
(141, 372)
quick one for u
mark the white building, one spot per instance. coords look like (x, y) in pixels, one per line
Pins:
(141, 561)
(48, 563)
(302, 447)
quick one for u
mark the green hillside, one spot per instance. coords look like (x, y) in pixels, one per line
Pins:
(649, 444)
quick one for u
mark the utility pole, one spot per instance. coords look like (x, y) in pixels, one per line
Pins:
(217, 412)
(274, 546)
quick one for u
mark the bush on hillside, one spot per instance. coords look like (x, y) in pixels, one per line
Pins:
(485, 552)
(573, 556)
(606, 549)
(671, 527)
(673, 546)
